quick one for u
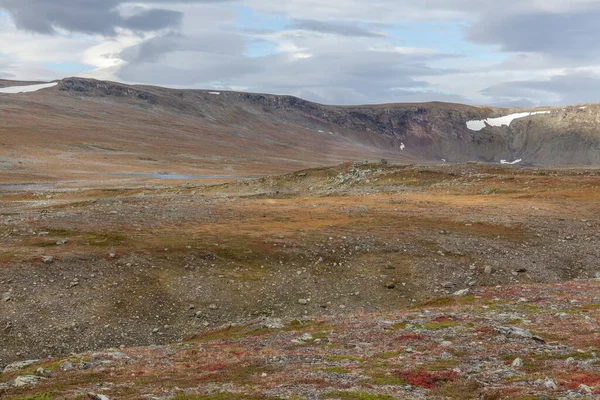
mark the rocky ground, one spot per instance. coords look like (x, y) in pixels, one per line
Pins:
(514, 342)
(344, 282)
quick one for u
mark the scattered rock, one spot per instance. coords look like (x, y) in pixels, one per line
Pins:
(95, 396)
(585, 389)
(42, 372)
(488, 269)
(47, 259)
(19, 365)
(390, 285)
(303, 301)
(66, 366)
(550, 384)
(514, 332)
(6, 297)
(273, 323)
(461, 293)
(449, 285)
(26, 380)
(517, 363)
(307, 337)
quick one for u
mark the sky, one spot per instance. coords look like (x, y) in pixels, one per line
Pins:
(484, 52)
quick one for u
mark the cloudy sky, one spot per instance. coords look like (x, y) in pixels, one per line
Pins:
(509, 52)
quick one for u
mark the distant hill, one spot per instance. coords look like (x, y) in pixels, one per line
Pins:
(83, 128)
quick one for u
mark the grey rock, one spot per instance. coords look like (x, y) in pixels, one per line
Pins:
(47, 259)
(517, 363)
(303, 301)
(550, 384)
(42, 372)
(95, 396)
(273, 323)
(66, 366)
(19, 365)
(514, 332)
(6, 297)
(26, 380)
(461, 293)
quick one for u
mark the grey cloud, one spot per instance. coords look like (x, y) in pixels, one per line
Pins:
(566, 34)
(571, 88)
(359, 76)
(89, 16)
(336, 28)
(208, 42)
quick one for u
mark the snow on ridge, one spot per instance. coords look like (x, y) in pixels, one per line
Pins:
(215, 93)
(506, 120)
(511, 162)
(27, 88)
(402, 146)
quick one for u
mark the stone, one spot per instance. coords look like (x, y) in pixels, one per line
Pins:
(213, 307)
(26, 380)
(390, 285)
(550, 384)
(517, 363)
(6, 297)
(307, 337)
(446, 343)
(461, 293)
(66, 366)
(585, 389)
(303, 301)
(95, 396)
(448, 285)
(515, 332)
(42, 372)
(47, 259)
(273, 323)
(19, 365)
(488, 269)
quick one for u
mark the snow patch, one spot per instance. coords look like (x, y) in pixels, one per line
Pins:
(402, 146)
(506, 120)
(27, 88)
(215, 93)
(511, 162)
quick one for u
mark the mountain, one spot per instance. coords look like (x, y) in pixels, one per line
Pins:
(88, 129)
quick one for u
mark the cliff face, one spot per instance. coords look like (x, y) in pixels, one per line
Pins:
(427, 131)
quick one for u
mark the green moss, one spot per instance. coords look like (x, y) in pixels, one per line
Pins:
(343, 358)
(38, 396)
(459, 390)
(440, 365)
(335, 370)
(434, 326)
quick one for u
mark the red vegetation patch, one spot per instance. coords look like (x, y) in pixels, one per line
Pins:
(426, 379)
(213, 367)
(589, 379)
(409, 337)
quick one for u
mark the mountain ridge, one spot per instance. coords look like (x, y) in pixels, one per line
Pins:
(196, 132)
